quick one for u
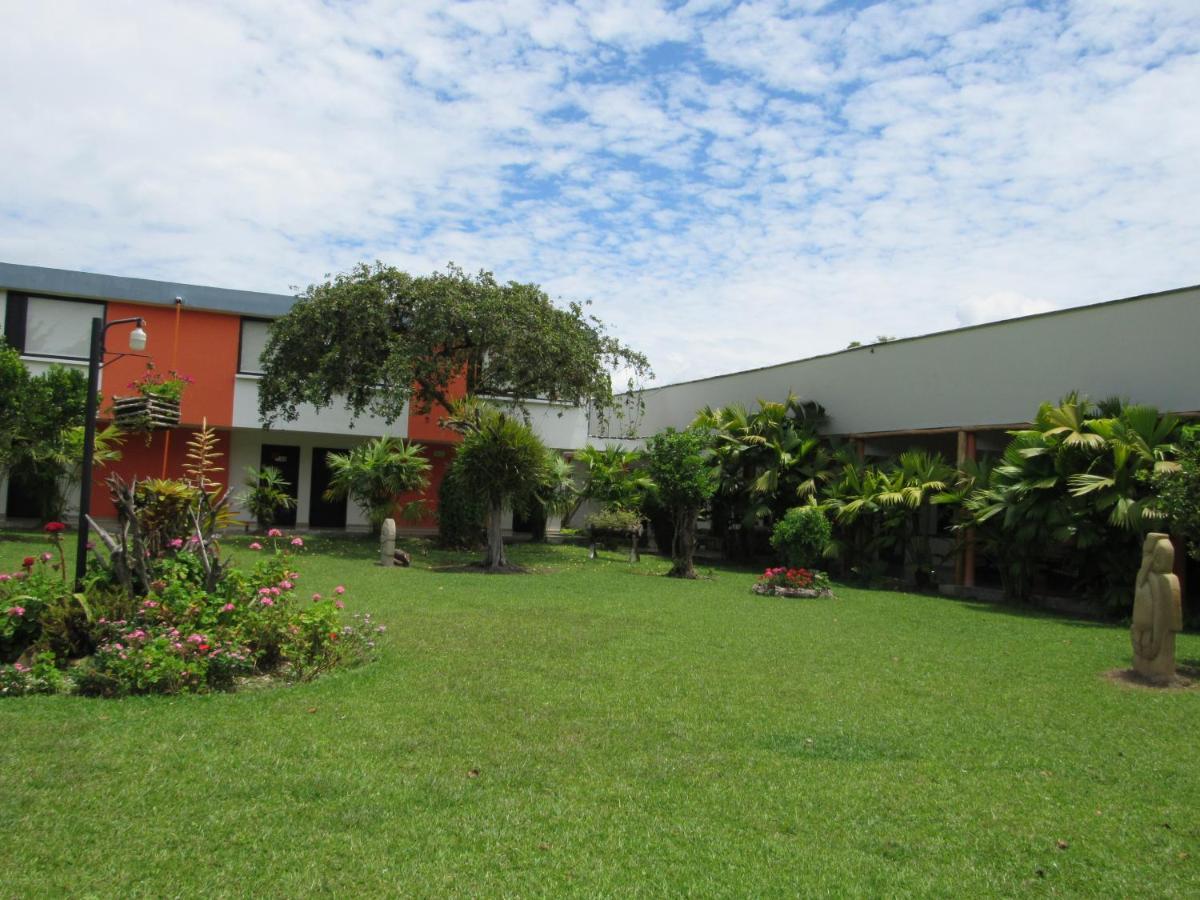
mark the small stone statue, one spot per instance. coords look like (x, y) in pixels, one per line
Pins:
(387, 543)
(1157, 613)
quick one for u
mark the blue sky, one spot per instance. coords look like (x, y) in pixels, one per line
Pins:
(732, 185)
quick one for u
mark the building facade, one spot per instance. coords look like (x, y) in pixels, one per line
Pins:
(955, 392)
(216, 337)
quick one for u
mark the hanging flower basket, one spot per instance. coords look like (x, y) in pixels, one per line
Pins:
(145, 413)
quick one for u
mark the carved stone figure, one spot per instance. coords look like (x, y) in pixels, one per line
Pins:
(387, 543)
(1157, 613)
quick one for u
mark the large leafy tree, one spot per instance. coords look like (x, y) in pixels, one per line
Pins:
(377, 338)
(41, 431)
(679, 463)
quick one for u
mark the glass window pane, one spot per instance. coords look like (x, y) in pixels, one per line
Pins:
(254, 341)
(60, 327)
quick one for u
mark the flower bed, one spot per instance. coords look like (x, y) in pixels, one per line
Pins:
(180, 637)
(166, 611)
(784, 582)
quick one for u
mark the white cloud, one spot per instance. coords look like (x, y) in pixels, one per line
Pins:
(787, 182)
(999, 305)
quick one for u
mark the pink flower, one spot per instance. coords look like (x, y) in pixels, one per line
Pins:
(175, 544)
(296, 542)
(196, 639)
(266, 601)
(274, 532)
(228, 607)
(286, 585)
(316, 598)
(339, 604)
(264, 590)
(339, 590)
(255, 545)
(46, 557)
(16, 611)
(150, 604)
(4, 576)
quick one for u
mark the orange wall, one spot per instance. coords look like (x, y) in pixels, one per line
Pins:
(440, 457)
(426, 429)
(207, 351)
(144, 460)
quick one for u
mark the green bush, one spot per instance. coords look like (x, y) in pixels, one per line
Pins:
(614, 521)
(802, 535)
(459, 513)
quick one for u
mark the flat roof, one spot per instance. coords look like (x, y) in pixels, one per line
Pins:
(932, 334)
(67, 283)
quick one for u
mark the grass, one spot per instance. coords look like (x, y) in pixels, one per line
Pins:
(593, 729)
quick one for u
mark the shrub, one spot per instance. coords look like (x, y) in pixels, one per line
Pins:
(802, 535)
(614, 522)
(165, 613)
(459, 513)
(42, 677)
(1179, 492)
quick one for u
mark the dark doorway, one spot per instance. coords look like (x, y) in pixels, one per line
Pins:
(26, 494)
(324, 513)
(531, 522)
(287, 461)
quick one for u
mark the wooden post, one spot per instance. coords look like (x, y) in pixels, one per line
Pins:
(964, 567)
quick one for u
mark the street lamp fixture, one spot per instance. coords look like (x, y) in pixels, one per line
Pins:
(137, 343)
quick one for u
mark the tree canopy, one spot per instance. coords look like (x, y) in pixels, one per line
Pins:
(377, 338)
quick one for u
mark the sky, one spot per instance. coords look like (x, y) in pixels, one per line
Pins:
(731, 185)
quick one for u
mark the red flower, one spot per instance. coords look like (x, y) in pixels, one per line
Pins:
(55, 527)
(28, 562)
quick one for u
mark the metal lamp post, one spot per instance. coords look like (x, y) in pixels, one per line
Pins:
(137, 343)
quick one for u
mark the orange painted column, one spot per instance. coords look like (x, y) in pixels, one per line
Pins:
(207, 351)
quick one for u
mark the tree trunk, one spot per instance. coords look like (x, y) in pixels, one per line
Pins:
(684, 545)
(633, 548)
(496, 559)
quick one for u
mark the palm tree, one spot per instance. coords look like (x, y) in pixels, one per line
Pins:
(375, 473)
(768, 460)
(501, 460)
(266, 494)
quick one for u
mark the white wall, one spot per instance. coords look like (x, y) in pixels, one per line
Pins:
(245, 450)
(1142, 349)
(560, 425)
(332, 420)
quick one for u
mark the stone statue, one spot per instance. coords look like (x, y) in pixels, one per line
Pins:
(1157, 613)
(387, 543)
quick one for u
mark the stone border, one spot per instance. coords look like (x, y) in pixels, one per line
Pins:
(774, 590)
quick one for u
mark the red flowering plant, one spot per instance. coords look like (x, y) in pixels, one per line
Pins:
(793, 582)
(165, 386)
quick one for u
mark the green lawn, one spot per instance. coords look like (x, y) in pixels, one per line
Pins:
(595, 729)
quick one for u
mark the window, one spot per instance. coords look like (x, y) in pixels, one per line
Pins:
(48, 326)
(254, 341)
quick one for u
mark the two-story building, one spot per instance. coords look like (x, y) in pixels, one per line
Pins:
(216, 336)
